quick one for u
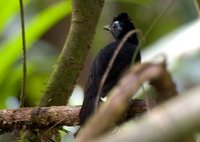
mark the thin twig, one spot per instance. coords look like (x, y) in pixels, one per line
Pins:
(158, 19)
(57, 123)
(111, 62)
(128, 85)
(142, 42)
(197, 5)
(22, 96)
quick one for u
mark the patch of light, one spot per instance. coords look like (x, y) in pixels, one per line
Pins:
(185, 40)
(12, 102)
(71, 129)
(77, 96)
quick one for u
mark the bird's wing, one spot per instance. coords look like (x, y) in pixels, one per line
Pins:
(92, 85)
(98, 68)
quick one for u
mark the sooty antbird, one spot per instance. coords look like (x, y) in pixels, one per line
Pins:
(119, 27)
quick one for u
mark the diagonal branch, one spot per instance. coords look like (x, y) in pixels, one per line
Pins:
(85, 16)
(119, 98)
(174, 120)
(110, 64)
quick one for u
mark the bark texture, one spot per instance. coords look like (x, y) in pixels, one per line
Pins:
(85, 16)
(44, 118)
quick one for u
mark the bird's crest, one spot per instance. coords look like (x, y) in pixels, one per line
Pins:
(122, 17)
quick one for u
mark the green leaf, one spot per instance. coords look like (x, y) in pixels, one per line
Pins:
(9, 8)
(10, 50)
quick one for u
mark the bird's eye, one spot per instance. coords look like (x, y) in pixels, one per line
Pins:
(116, 25)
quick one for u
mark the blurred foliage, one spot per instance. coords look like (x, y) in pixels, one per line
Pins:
(186, 73)
(10, 47)
(43, 16)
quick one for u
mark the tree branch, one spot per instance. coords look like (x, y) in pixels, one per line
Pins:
(164, 86)
(40, 117)
(85, 16)
(46, 117)
(173, 121)
(120, 96)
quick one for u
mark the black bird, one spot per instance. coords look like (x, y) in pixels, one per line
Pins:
(119, 27)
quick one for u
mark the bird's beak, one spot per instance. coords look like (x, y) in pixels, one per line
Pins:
(107, 28)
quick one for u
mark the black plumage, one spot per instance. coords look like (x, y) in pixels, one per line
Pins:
(119, 27)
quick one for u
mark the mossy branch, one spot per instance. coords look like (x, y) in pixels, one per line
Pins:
(85, 16)
(45, 118)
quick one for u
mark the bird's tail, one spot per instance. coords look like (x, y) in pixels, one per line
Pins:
(87, 109)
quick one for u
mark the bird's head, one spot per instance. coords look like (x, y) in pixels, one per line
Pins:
(120, 26)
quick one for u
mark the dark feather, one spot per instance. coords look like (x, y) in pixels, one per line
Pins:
(122, 62)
